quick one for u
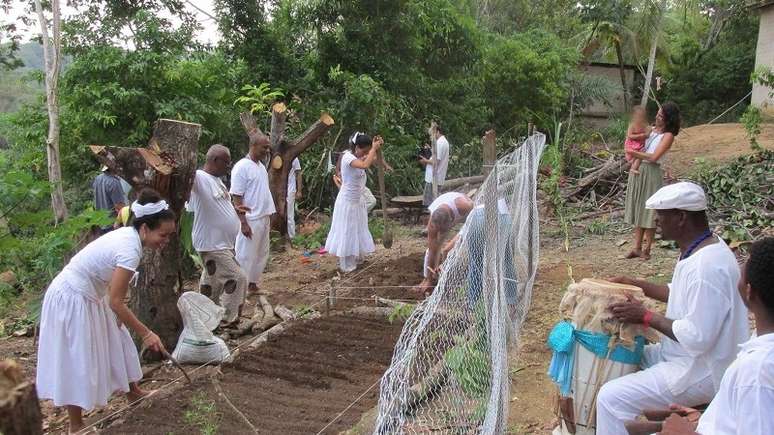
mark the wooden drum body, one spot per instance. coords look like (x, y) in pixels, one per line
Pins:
(585, 305)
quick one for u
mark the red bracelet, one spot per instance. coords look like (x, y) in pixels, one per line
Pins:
(647, 318)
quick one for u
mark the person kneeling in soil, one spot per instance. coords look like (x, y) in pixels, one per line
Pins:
(747, 389)
(446, 211)
(349, 237)
(705, 317)
(85, 351)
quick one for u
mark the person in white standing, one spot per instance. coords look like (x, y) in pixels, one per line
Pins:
(743, 403)
(705, 317)
(214, 234)
(250, 189)
(349, 237)
(85, 353)
(295, 189)
(443, 150)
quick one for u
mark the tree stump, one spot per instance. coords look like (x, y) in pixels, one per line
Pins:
(167, 165)
(489, 151)
(283, 151)
(19, 410)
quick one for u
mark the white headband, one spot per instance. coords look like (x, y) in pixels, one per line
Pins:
(353, 138)
(150, 208)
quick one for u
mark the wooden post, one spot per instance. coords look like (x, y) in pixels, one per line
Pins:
(489, 147)
(283, 151)
(168, 165)
(19, 409)
(434, 144)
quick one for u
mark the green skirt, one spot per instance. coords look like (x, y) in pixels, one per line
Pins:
(639, 188)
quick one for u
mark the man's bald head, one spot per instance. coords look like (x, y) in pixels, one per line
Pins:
(216, 151)
(218, 160)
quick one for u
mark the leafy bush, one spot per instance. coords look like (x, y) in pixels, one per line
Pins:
(738, 194)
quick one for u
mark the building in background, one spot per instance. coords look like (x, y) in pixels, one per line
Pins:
(764, 54)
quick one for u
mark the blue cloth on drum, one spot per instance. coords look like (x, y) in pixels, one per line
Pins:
(562, 341)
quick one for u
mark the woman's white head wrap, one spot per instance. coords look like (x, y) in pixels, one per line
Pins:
(354, 137)
(140, 210)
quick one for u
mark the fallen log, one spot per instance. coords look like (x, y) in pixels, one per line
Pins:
(606, 173)
(19, 410)
(455, 183)
(284, 313)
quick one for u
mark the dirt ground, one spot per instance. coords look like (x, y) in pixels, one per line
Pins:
(716, 142)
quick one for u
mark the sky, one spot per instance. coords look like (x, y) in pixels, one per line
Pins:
(200, 9)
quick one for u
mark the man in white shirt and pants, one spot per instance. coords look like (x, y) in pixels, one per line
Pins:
(443, 150)
(215, 229)
(250, 189)
(705, 319)
(295, 186)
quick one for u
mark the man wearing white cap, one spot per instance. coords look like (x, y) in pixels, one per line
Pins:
(704, 323)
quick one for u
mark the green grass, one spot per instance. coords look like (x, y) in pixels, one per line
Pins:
(202, 415)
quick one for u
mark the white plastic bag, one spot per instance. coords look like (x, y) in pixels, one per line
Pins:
(197, 344)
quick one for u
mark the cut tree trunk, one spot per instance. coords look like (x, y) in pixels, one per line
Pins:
(283, 152)
(652, 55)
(167, 165)
(19, 409)
(52, 58)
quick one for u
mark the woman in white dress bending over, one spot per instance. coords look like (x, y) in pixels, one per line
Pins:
(349, 238)
(85, 352)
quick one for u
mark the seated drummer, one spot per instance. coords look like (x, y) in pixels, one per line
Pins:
(743, 403)
(705, 318)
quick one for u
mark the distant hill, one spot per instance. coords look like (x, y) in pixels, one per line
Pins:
(16, 88)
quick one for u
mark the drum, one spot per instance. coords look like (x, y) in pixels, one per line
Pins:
(585, 306)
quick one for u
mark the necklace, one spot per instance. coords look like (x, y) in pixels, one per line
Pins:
(704, 236)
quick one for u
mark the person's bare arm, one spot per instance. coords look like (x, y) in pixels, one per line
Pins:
(119, 284)
(634, 312)
(242, 213)
(666, 143)
(433, 246)
(371, 157)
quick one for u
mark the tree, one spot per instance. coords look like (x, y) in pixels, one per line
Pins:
(52, 55)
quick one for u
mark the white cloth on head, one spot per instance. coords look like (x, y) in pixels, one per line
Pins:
(253, 253)
(215, 224)
(250, 180)
(743, 403)
(709, 322)
(349, 235)
(141, 210)
(680, 196)
(84, 356)
(442, 149)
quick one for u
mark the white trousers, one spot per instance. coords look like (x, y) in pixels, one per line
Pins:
(252, 253)
(370, 199)
(291, 214)
(623, 399)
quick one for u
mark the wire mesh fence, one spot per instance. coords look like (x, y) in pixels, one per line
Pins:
(449, 372)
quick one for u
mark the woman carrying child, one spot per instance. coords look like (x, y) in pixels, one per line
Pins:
(349, 238)
(85, 352)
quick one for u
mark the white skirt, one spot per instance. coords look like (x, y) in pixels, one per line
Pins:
(349, 235)
(83, 355)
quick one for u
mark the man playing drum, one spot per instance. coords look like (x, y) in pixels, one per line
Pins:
(705, 319)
